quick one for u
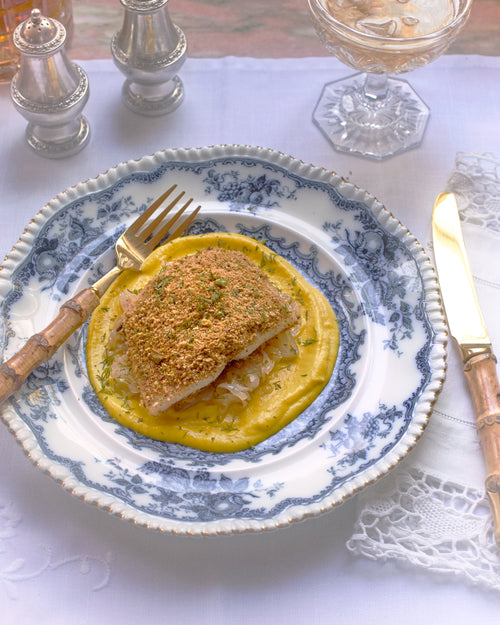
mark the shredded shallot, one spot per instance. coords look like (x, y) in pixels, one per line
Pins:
(236, 382)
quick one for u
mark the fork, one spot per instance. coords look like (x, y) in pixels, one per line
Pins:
(131, 249)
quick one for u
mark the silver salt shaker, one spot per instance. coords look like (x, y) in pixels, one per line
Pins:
(149, 50)
(49, 90)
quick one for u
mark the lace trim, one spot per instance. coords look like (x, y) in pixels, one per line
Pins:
(429, 523)
(413, 516)
(476, 178)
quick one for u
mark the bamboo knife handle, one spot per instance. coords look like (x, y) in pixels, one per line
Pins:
(482, 377)
(40, 347)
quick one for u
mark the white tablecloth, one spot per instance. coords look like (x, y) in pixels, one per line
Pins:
(65, 562)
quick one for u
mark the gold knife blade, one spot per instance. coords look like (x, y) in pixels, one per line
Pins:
(467, 327)
(457, 287)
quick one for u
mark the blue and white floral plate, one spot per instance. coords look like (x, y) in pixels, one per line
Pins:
(376, 276)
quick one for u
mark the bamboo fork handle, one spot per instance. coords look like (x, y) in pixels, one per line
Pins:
(40, 347)
(482, 377)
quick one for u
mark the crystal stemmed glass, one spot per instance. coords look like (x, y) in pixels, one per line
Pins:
(370, 113)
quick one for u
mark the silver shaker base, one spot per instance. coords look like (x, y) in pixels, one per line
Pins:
(53, 142)
(153, 100)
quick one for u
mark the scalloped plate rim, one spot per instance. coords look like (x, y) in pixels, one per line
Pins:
(148, 163)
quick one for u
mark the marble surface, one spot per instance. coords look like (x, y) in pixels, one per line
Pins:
(262, 29)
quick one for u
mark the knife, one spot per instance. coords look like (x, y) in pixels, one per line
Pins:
(467, 327)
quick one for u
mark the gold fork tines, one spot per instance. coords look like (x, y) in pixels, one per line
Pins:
(132, 248)
(149, 212)
(145, 234)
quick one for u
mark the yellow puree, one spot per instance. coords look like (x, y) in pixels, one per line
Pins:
(291, 386)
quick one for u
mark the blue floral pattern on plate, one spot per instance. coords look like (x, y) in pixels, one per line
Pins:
(389, 369)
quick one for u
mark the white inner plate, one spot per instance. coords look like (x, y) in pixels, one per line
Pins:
(377, 278)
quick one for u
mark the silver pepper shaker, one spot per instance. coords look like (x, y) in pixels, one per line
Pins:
(49, 90)
(149, 50)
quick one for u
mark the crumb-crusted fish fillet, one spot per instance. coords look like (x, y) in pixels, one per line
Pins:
(198, 314)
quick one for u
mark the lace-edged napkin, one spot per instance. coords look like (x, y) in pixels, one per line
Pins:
(432, 511)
